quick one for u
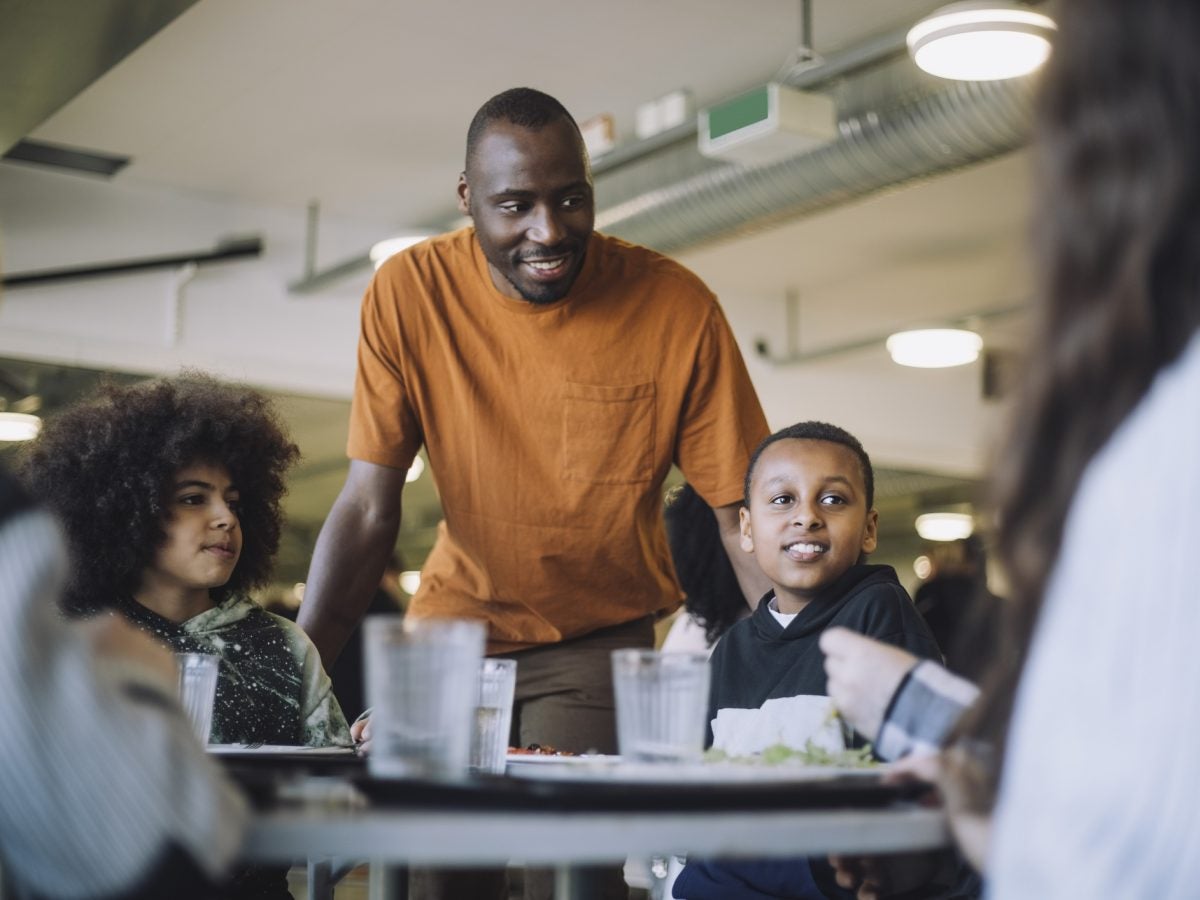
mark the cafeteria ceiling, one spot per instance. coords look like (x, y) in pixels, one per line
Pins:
(238, 115)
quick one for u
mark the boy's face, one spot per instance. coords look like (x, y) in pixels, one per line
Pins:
(808, 520)
(203, 542)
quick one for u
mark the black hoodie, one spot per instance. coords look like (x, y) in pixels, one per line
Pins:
(758, 660)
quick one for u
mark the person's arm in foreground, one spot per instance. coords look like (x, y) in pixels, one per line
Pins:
(105, 788)
(907, 707)
(352, 550)
(902, 704)
(753, 582)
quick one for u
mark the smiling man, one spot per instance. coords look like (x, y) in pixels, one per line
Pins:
(553, 376)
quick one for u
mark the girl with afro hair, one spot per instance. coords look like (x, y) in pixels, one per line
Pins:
(169, 493)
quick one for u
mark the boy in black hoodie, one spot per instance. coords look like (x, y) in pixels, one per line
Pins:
(809, 519)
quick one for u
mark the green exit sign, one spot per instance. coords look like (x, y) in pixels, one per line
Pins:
(767, 124)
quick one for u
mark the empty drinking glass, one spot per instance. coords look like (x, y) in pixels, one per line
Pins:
(197, 689)
(662, 704)
(422, 685)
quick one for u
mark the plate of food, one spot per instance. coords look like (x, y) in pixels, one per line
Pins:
(539, 755)
(777, 764)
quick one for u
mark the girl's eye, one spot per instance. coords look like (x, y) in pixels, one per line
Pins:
(781, 499)
(235, 505)
(833, 500)
(191, 499)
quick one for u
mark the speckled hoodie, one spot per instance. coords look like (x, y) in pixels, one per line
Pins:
(271, 686)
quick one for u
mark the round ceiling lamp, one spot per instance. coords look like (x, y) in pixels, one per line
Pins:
(934, 348)
(414, 470)
(19, 426)
(945, 526)
(981, 41)
(393, 245)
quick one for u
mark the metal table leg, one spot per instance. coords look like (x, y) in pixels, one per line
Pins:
(573, 883)
(387, 882)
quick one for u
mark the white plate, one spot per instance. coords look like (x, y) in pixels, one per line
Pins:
(275, 749)
(541, 759)
(691, 773)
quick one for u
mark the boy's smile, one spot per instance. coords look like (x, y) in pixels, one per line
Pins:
(808, 521)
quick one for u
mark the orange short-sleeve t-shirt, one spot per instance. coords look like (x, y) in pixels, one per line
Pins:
(550, 429)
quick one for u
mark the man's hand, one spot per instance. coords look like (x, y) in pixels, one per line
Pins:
(360, 731)
(863, 675)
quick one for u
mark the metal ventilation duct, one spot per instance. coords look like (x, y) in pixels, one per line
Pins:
(896, 124)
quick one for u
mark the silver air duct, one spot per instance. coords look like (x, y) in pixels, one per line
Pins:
(895, 125)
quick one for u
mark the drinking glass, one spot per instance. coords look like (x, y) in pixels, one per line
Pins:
(197, 689)
(422, 685)
(493, 715)
(662, 704)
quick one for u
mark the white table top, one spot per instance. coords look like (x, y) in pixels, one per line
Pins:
(487, 837)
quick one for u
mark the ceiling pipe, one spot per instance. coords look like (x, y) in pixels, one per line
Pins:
(896, 125)
(226, 250)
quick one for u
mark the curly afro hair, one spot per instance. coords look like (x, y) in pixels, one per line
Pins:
(705, 573)
(107, 466)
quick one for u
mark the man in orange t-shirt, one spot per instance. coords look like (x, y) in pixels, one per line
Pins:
(553, 375)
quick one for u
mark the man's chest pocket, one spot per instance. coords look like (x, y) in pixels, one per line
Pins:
(608, 433)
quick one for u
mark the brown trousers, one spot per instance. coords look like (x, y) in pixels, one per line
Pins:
(564, 699)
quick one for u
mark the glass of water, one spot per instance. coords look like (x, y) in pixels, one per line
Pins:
(493, 715)
(662, 705)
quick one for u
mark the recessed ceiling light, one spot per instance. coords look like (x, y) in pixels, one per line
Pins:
(981, 41)
(19, 426)
(934, 348)
(414, 470)
(945, 526)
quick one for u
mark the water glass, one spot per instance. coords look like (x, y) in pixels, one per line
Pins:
(662, 704)
(197, 689)
(493, 715)
(422, 686)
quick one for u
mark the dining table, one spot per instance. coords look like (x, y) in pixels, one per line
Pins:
(565, 814)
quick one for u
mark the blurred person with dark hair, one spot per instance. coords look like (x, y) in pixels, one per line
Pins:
(713, 598)
(957, 606)
(1074, 774)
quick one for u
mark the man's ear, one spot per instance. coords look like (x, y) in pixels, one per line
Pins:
(871, 533)
(747, 539)
(464, 194)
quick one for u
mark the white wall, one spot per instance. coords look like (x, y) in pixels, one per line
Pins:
(233, 318)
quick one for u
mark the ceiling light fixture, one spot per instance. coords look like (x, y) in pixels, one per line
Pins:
(393, 245)
(19, 426)
(414, 470)
(410, 581)
(945, 526)
(934, 348)
(981, 41)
